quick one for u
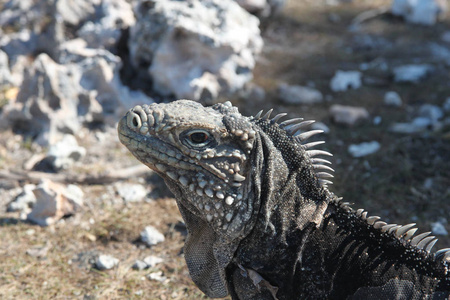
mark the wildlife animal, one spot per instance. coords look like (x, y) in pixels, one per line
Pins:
(261, 221)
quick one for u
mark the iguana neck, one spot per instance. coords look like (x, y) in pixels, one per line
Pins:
(344, 257)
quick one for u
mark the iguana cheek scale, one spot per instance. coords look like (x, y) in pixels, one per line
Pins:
(261, 221)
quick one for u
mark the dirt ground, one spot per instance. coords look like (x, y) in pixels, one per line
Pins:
(305, 44)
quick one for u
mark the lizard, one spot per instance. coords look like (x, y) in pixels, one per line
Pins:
(261, 220)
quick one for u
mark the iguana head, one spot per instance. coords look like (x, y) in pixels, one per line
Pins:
(225, 169)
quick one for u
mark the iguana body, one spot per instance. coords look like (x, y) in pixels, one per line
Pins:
(262, 223)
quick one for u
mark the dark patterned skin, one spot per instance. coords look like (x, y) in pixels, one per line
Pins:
(261, 221)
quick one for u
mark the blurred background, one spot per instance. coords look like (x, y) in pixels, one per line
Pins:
(80, 218)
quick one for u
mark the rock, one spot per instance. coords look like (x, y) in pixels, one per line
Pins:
(5, 73)
(104, 32)
(152, 261)
(139, 265)
(65, 153)
(106, 262)
(348, 115)
(392, 98)
(157, 276)
(54, 201)
(131, 192)
(411, 73)
(425, 12)
(24, 201)
(377, 120)
(364, 149)
(151, 236)
(438, 228)
(431, 112)
(345, 80)
(262, 8)
(296, 94)
(446, 105)
(73, 12)
(196, 50)
(419, 124)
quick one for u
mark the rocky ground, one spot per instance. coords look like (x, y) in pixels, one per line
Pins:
(377, 85)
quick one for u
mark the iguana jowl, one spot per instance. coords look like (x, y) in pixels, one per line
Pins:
(262, 223)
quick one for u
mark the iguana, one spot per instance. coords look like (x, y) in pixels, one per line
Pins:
(261, 221)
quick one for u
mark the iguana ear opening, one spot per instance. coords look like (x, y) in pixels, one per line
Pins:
(207, 255)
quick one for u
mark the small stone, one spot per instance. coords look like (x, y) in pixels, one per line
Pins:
(431, 112)
(425, 12)
(348, 115)
(417, 125)
(54, 201)
(377, 120)
(392, 98)
(152, 261)
(65, 153)
(24, 201)
(151, 236)
(157, 276)
(296, 94)
(345, 80)
(139, 265)
(411, 73)
(364, 149)
(106, 262)
(446, 105)
(438, 228)
(131, 192)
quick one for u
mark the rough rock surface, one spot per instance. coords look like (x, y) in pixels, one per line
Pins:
(151, 236)
(54, 201)
(65, 153)
(106, 262)
(197, 49)
(364, 149)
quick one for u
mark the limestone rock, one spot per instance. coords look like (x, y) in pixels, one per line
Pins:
(411, 73)
(425, 12)
(196, 49)
(345, 80)
(151, 236)
(24, 201)
(106, 262)
(392, 98)
(296, 94)
(348, 115)
(363, 149)
(53, 201)
(131, 192)
(65, 153)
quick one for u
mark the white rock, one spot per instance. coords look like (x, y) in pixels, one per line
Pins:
(54, 201)
(392, 98)
(106, 262)
(296, 94)
(152, 261)
(348, 115)
(363, 149)
(157, 276)
(65, 153)
(5, 73)
(411, 73)
(425, 12)
(151, 236)
(418, 124)
(73, 12)
(25, 200)
(139, 265)
(446, 105)
(131, 192)
(432, 112)
(438, 228)
(195, 49)
(345, 80)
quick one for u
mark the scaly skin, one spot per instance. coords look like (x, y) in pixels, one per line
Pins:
(261, 221)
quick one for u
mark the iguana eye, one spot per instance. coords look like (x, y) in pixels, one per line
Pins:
(197, 138)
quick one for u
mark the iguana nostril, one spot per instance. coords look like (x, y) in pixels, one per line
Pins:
(133, 120)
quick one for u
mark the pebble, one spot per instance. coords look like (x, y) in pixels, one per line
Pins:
(157, 276)
(431, 112)
(411, 73)
(345, 80)
(139, 265)
(152, 261)
(363, 149)
(151, 236)
(348, 115)
(297, 94)
(106, 262)
(130, 192)
(438, 228)
(392, 98)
